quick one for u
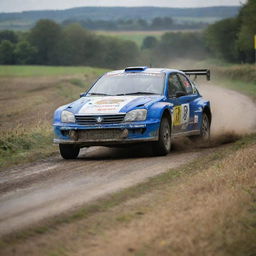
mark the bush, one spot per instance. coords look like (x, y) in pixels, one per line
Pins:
(7, 52)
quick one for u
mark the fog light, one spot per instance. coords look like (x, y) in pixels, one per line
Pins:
(125, 133)
(73, 135)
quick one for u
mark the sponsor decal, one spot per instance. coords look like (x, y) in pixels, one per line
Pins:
(152, 74)
(196, 119)
(109, 101)
(106, 105)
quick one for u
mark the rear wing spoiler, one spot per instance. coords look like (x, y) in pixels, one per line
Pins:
(198, 72)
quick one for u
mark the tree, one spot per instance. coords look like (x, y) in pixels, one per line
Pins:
(46, 37)
(245, 41)
(7, 52)
(119, 53)
(25, 53)
(232, 39)
(149, 42)
(79, 46)
(221, 39)
(8, 35)
(162, 23)
(142, 24)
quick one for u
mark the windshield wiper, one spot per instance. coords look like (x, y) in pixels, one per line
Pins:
(140, 93)
(98, 93)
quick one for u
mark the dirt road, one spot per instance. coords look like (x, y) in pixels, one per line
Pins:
(31, 193)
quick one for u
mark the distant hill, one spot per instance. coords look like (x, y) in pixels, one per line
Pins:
(25, 20)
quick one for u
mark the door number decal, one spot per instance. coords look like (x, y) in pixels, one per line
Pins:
(181, 114)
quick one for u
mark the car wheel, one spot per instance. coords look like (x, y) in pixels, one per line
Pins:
(204, 136)
(69, 151)
(205, 128)
(163, 146)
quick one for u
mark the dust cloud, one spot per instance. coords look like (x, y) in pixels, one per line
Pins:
(232, 112)
(233, 116)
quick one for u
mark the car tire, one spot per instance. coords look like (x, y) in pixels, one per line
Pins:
(69, 151)
(204, 137)
(163, 146)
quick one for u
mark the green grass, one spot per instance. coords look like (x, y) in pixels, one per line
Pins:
(39, 71)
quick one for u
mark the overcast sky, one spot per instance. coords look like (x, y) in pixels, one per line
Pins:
(23, 5)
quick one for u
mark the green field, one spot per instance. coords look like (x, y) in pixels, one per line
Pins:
(135, 36)
(197, 19)
(33, 71)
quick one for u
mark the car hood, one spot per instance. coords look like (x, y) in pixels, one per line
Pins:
(111, 104)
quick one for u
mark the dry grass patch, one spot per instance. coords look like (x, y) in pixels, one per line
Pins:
(211, 213)
(204, 215)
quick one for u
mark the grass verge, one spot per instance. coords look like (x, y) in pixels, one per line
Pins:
(28, 97)
(247, 88)
(241, 78)
(25, 145)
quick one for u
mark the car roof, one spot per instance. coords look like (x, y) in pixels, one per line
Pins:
(143, 70)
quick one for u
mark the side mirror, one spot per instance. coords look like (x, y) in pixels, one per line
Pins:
(81, 95)
(180, 94)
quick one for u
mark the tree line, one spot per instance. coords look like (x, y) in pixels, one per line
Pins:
(233, 39)
(49, 43)
(158, 23)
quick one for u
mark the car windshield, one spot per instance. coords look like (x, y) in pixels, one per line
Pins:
(128, 84)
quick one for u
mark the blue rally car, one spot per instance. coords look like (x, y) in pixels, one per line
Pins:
(134, 105)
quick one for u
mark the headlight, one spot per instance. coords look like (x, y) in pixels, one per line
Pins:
(67, 117)
(136, 115)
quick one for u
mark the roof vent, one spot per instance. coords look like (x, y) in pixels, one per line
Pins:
(135, 69)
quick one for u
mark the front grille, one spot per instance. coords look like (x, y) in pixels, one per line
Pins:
(97, 119)
(101, 134)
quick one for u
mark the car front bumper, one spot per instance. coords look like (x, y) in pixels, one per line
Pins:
(106, 134)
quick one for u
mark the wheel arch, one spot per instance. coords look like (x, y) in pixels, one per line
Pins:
(207, 111)
(160, 109)
(167, 113)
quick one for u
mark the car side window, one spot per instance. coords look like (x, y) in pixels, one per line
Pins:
(174, 85)
(186, 83)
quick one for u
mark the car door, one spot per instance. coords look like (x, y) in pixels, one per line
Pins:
(182, 95)
(192, 98)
